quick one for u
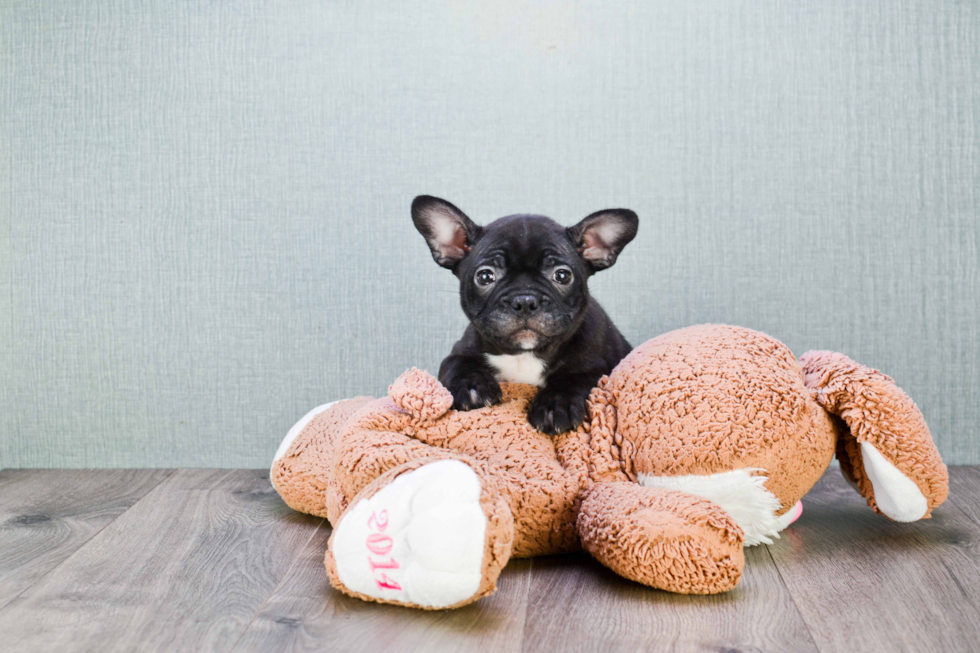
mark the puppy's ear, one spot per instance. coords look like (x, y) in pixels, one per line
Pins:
(602, 236)
(448, 232)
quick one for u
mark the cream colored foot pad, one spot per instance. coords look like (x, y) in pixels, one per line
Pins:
(895, 493)
(420, 540)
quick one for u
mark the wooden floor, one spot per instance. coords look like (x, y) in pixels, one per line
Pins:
(201, 560)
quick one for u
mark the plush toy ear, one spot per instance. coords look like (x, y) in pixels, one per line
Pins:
(601, 236)
(448, 232)
(421, 395)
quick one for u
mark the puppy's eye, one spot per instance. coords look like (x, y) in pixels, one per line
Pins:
(485, 276)
(563, 276)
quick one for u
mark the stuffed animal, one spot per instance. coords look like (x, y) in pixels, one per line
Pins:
(700, 442)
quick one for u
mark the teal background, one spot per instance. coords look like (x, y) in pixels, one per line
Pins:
(204, 225)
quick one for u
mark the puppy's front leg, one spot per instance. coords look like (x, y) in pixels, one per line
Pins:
(470, 380)
(560, 404)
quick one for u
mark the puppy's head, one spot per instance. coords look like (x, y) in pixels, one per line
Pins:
(523, 278)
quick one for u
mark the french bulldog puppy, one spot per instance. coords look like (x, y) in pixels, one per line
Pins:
(524, 287)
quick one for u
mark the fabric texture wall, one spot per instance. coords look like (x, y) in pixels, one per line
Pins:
(204, 224)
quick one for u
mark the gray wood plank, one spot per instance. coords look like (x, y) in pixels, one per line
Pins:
(964, 490)
(184, 569)
(864, 583)
(306, 614)
(47, 515)
(576, 604)
(212, 560)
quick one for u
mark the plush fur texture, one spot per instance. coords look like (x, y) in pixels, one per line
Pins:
(688, 409)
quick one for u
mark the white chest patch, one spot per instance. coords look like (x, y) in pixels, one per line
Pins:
(519, 368)
(740, 492)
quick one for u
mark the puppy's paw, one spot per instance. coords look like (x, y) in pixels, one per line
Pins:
(556, 411)
(475, 390)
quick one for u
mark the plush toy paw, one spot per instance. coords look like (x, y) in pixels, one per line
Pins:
(666, 539)
(298, 428)
(888, 452)
(475, 389)
(557, 410)
(301, 472)
(420, 540)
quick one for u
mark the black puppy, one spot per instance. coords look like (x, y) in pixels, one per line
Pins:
(523, 285)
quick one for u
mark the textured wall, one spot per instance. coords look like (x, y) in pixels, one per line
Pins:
(204, 225)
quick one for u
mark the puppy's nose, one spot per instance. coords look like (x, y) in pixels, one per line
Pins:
(525, 304)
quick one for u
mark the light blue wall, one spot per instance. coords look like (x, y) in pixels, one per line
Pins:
(204, 225)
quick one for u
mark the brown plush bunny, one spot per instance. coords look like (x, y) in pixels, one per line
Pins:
(700, 442)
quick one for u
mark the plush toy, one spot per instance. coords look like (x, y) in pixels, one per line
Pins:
(700, 442)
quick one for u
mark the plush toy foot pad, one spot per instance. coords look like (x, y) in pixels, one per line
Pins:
(897, 496)
(419, 540)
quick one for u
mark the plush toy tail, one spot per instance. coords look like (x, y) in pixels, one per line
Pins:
(886, 450)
